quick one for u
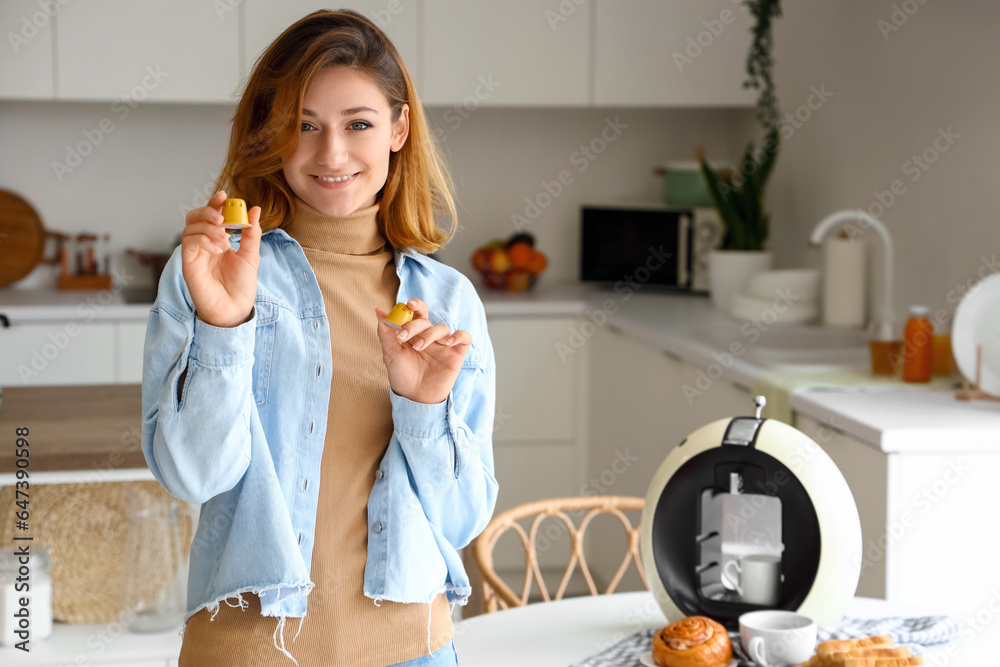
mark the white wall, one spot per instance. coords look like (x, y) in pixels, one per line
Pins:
(140, 176)
(890, 98)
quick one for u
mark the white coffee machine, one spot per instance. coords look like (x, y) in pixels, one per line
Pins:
(746, 514)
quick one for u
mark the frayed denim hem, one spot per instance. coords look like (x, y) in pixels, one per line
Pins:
(243, 604)
(447, 588)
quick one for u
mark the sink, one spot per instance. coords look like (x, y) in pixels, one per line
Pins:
(791, 348)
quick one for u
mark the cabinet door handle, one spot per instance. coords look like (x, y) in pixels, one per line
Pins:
(4, 322)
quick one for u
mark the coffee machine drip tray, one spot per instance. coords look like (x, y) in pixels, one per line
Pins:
(734, 525)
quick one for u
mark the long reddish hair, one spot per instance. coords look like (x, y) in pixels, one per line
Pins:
(266, 129)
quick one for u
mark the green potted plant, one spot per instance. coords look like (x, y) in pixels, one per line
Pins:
(739, 199)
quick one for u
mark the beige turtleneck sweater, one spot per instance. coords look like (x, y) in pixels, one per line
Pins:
(354, 266)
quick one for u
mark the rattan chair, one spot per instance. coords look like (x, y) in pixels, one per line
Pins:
(498, 595)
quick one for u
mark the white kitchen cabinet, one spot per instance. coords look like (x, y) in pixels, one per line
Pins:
(638, 413)
(671, 53)
(637, 403)
(26, 63)
(130, 338)
(926, 521)
(160, 50)
(65, 352)
(506, 53)
(265, 20)
(536, 386)
(538, 434)
(866, 471)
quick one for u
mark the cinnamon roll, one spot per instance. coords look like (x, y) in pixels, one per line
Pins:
(696, 641)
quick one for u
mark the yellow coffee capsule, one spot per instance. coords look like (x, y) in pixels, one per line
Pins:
(234, 214)
(398, 316)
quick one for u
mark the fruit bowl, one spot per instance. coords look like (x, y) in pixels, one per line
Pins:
(512, 265)
(509, 281)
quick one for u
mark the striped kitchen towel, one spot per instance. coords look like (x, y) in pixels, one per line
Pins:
(624, 653)
(914, 633)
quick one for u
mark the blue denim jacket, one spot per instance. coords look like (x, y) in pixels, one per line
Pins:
(246, 438)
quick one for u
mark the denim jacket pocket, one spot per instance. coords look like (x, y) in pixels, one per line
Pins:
(263, 346)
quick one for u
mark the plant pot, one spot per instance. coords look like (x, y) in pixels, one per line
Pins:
(730, 270)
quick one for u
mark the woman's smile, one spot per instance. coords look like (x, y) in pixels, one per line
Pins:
(335, 182)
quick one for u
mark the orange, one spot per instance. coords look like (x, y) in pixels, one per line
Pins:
(520, 254)
(537, 263)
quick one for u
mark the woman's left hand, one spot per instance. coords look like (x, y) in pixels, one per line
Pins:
(423, 359)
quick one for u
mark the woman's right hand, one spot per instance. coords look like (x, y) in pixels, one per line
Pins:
(222, 281)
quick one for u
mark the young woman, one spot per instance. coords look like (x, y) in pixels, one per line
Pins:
(339, 465)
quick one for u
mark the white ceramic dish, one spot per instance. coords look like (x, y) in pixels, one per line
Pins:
(977, 323)
(773, 311)
(802, 283)
(647, 659)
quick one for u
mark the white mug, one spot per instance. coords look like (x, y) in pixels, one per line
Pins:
(779, 638)
(759, 578)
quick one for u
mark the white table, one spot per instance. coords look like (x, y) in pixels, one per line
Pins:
(558, 634)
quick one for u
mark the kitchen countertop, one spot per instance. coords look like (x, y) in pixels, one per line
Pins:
(36, 305)
(907, 419)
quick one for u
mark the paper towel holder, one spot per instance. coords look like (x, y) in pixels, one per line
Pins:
(883, 328)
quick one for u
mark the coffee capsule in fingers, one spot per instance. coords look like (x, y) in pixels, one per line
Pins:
(398, 316)
(234, 214)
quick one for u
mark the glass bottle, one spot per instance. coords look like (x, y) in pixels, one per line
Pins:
(918, 346)
(154, 565)
(32, 622)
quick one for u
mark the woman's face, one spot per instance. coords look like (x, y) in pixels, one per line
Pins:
(345, 130)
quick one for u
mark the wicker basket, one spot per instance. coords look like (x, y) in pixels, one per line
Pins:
(87, 529)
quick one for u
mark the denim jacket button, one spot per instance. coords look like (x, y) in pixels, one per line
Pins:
(311, 424)
(377, 527)
(319, 370)
(300, 538)
(315, 324)
(306, 485)
(379, 474)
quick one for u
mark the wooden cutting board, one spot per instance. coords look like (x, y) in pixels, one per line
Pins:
(22, 238)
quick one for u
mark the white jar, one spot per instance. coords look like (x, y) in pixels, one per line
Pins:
(25, 579)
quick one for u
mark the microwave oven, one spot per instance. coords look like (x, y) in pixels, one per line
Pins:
(651, 244)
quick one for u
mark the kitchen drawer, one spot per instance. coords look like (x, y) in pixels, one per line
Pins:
(131, 339)
(537, 387)
(57, 353)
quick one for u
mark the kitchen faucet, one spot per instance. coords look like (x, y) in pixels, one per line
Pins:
(883, 329)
